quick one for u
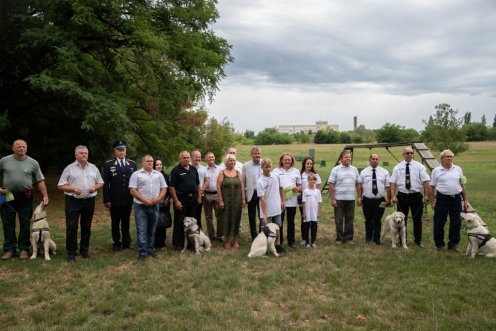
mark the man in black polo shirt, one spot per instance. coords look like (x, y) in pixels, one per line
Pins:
(185, 192)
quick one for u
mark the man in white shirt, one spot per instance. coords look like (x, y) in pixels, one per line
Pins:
(251, 171)
(80, 182)
(410, 177)
(148, 188)
(375, 191)
(211, 198)
(448, 181)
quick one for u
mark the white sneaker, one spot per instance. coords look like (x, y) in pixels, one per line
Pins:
(314, 246)
(307, 246)
(303, 242)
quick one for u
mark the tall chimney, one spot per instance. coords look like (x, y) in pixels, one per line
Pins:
(354, 123)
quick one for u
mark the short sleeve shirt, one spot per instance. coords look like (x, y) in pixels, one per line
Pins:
(344, 180)
(289, 178)
(268, 187)
(148, 185)
(418, 175)
(382, 176)
(447, 181)
(184, 181)
(311, 198)
(82, 178)
(19, 175)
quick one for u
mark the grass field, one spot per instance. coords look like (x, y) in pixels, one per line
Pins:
(332, 287)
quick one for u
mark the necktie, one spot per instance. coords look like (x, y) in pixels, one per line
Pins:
(122, 163)
(374, 183)
(408, 184)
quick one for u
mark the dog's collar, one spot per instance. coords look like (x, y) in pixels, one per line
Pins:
(268, 233)
(483, 237)
(39, 219)
(197, 231)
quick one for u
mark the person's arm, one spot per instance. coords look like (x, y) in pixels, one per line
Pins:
(161, 195)
(206, 180)
(70, 189)
(427, 191)
(177, 204)
(283, 197)
(135, 193)
(388, 195)
(359, 193)
(220, 178)
(332, 195)
(43, 190)
(433, 201)
(464, 196)
(243, 197)
(264, 208)
(392, 190)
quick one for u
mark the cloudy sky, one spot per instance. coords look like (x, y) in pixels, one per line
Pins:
(383, 61)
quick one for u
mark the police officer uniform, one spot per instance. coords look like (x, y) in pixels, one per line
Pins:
(116, 174)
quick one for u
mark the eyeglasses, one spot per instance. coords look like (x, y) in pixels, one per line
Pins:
(408, 153)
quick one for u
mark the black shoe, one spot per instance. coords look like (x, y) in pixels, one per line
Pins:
(141, 258)
(440, 248)
(71, 258)
(116, 248)
(293, 245)
(420, 244)
(84, 255)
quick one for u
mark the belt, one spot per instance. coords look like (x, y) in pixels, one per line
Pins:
(414, 193)
(210, 192)
(190, 195)
(449, 196)
(377, 198)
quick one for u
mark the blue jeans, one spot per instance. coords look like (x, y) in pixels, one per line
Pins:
(146, 219)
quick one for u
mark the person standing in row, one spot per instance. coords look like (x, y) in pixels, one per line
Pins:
(20, 173)
(272, 202)
(185, 191)
(307, 169)
(290, 179)
(164, 213)
(251, 174)
(448, 181)
(311, 201)
(410, 177)
(116, 196)
(80, 182)
(148, 188)
(375, 197)
(195, 162)
(231, 200)
(343, 182)
(211, 198)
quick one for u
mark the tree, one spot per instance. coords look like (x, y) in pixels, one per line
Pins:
(270, 136)
(94, 71)
(389, 133)
(476, 132)
(467, 117)
(444, 131)
(326, 137)
(494, 121)
(216, 138)
(249, 134)
(483, 119)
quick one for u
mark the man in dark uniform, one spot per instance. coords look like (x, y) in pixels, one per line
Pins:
(116, 196)
(186, 193)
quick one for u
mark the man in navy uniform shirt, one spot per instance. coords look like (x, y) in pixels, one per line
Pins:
(116, 196)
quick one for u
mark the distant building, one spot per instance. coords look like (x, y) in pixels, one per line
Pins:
(297, 128)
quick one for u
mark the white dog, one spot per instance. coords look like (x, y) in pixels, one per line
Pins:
(394, 227)
(41, 233)
(265, 240)
(479, 239)
(192, 232)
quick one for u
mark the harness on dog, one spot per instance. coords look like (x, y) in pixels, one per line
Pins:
(39, 219)
(268, 233)
(41, 230)
(483, 237)
(197, 231)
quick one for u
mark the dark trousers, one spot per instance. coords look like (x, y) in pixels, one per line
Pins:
(290, 212)
(78, 210)
(22, 205)
(452, 206)
(198, 216)
(188, 210)
(414, 203)
(312, 228)
(344, 215)
(161, 231)
(120, 216)
(253, 208)
(373, 216)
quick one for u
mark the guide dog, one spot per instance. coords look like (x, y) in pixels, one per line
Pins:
(192, 232)
(480, 240)
(265, 240)
(394, 227)
(41, 233)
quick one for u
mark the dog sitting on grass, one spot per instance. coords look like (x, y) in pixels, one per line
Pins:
(192, 232)
(265, 240)
(480, 240)
(41, 233)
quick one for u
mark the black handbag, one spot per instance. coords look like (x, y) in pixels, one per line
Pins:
(164, 219)
(300, 198)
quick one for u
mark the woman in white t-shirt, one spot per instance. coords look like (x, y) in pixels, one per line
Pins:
(290, 179)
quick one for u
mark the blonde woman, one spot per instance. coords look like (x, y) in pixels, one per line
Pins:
(231, 195)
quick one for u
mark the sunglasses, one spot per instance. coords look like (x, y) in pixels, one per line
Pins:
(409, 153)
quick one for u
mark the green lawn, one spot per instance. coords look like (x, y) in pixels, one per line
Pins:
(332, 287)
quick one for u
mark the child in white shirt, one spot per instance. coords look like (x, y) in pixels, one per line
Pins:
(312, 199)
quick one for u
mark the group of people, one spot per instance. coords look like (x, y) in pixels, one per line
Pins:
(224, 190)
